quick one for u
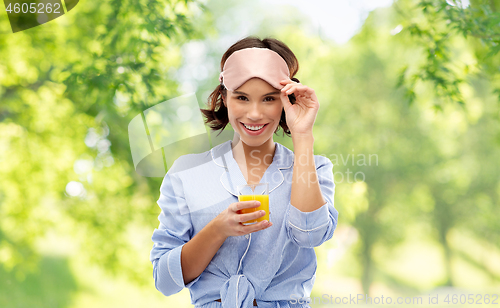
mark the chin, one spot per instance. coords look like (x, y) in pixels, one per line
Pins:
(255, 142)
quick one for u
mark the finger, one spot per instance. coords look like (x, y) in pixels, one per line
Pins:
(234, 207)
(236, 219)
(262, 225)
(288, 86)
(284, 89)
(289, 80)
(256, 227)
(250, 216)
(285, 81)
(299, 89)
(238, 206)
(265, 224)
(285, 101)
(248, 204)
(293, 89)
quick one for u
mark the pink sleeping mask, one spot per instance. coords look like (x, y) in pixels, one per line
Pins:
(252, 62)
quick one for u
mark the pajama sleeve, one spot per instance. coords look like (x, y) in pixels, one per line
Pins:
(311, 229)
(174, 231)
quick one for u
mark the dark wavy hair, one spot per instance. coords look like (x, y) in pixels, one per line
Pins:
(216, 115)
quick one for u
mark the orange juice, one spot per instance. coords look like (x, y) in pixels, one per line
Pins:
(264, 205)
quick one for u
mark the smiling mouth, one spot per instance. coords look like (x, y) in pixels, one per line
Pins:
(255, 130)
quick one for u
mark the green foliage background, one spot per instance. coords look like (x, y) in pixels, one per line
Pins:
(422, 102)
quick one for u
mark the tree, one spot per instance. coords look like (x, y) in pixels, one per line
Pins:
(68, 90)
(435, 25)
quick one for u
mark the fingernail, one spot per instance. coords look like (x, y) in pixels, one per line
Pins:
(257, 203)
(263, 212)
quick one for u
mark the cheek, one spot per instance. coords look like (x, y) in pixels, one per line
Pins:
(278, 112)
(233, 113)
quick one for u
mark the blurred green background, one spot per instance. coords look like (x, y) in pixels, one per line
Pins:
(409, 116)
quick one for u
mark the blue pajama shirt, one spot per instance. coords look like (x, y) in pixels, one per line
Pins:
(276, 266)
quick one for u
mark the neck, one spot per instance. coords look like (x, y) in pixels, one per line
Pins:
(257, 156)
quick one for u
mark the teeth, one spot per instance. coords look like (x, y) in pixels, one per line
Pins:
(254, 127)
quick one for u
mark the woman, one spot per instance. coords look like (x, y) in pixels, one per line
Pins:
(201, 242)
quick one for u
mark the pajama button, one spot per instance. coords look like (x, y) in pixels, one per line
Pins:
(247, 236)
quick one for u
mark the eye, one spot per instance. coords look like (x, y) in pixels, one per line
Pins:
(244, 97)
(272, 99)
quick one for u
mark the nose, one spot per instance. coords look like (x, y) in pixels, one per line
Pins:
(255, 112)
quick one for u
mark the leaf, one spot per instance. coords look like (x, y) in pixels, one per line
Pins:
(401, 76)
(493, 51)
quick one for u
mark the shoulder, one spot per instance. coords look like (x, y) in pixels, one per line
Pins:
(322, 160)
(189, 162)
(319, 160)
(287, 159)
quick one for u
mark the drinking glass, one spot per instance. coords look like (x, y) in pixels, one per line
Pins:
(258, 192)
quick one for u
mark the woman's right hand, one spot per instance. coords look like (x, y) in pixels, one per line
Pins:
(230, 221)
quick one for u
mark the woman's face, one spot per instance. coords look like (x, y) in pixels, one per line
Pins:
(255, 103)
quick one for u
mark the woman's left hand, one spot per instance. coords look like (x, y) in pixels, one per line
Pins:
(300, 116)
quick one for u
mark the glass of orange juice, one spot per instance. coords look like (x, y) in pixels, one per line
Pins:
(258, 192)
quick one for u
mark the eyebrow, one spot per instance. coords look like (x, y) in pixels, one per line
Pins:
(270, 93)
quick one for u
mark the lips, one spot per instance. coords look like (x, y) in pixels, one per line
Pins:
(247, 124)
(254, 132)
